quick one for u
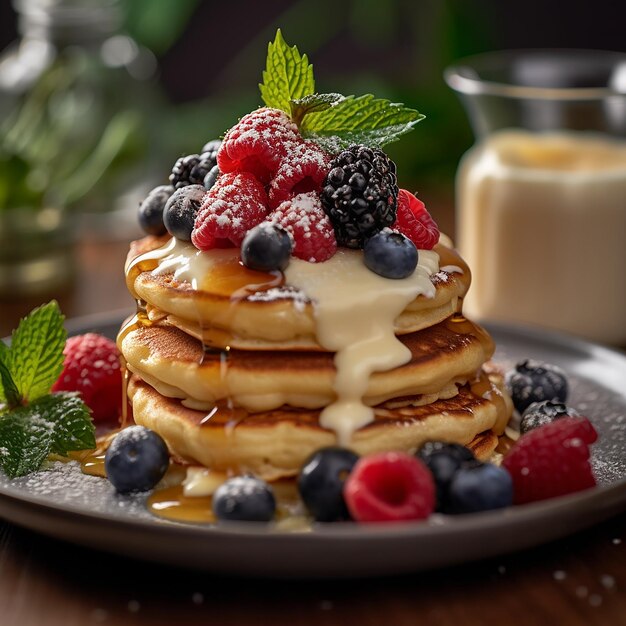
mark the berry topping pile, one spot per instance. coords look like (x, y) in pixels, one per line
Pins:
(310, 163)
(92, 368)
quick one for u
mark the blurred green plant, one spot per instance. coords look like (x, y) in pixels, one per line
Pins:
(410, 43)
(158, 25)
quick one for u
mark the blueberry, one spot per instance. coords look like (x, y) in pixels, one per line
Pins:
(533, 381)
(244, 499)
(211, 177)
(542, 413)
(321, 480)
(390, 254)
(266, 247)
(181, 209)
(136, 460)
(480, 488)
(212, 146)
(444, 460)
(151, 210)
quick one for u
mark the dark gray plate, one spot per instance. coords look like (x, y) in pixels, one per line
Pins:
(64, 503)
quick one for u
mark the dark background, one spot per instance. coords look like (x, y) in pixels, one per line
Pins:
(210, 56)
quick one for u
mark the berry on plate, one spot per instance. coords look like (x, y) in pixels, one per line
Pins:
(360, 194)
(258, 143)
(321, 482)
(541, 413)
(533, 381)
(92, 367)
(136, 460)
(266, 247)
(151, 210)
(181, 209)
(236, 203)
(552, 460)
(414, 221)
(479, 487)
(391, 486)
(304, 219)
(444, 460)
(244, 499)
(390, 254)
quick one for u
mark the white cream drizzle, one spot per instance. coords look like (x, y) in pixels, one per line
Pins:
(355, 311)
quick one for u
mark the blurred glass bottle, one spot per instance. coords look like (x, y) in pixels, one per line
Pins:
(75, 98)
(541, 197)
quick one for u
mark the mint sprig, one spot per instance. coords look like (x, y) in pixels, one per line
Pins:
(288, 75)
(37, 351)
(363, 119)
(312, 103)
(33, 421)
(9, 395)
(331, 120)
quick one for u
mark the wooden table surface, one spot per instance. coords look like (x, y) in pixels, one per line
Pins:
(580, 580)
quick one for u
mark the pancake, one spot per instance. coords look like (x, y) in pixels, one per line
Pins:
(275, 444)
(269, 314)
(177, 366)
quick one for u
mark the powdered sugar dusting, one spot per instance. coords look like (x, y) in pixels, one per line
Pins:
(258, 142)
(303, 167)
(65, 484)
(305, 220)
(298, 298)
(234, 205)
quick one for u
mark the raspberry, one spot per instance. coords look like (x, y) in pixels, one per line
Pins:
(391, 486)
(304, 219)
(92, 367)
(552, 460)
(234, 205)
(301, 170)
(258, 143)
(414, 221)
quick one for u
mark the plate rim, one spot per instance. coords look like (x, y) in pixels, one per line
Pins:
(437, 524)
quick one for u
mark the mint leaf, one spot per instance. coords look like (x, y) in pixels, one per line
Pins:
(37, 351)
(73, 428)
(25, 441)
(8, 391)
(288, 75)
(56, 423)
(313, 103)
(363, 119)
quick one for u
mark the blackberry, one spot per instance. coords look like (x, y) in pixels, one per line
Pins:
(360, 194)
(191, 169)
(533, 381)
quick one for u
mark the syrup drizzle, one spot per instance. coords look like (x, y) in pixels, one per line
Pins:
(222, 273)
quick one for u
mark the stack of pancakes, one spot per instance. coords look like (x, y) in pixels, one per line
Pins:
(226, 366)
